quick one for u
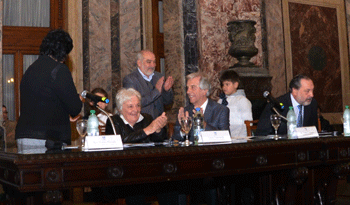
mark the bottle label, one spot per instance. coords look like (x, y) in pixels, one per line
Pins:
(346, 128)
(291, 131)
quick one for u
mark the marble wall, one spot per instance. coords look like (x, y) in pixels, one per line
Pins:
(1, 15)
(214, 43)
(174, 50)
(196, 38)
(97, 45)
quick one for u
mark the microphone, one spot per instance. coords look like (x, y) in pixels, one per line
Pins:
(273, 101)
(94, 98)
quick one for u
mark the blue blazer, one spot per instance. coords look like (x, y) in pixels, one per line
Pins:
(152, 100)
(216, 116)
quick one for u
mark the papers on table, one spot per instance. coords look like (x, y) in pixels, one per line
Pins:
(306, 132)
(150, 144)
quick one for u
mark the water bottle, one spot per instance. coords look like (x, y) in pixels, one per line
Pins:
(198, 124)
(346, 121)
(92, 124)
(291, 124)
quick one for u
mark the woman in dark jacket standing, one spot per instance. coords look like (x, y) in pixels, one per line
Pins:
(48, 96)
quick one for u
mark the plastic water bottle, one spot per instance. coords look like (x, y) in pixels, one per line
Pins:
(198, 124)
(346, 121)
(92, 124)
(291, 124)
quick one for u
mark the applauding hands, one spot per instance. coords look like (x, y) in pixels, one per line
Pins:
(156, 124)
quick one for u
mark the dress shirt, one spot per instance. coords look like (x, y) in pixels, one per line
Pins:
(145, 76)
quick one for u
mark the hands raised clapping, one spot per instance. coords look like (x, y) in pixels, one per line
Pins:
(157, 124)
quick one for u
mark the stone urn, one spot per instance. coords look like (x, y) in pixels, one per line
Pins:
(242, 37)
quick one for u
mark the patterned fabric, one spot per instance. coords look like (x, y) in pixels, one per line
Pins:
(224, 99)
(300, 116)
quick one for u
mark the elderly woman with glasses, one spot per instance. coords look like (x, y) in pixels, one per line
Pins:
(131, 124)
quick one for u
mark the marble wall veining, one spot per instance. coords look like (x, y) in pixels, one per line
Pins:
(115, 42)
(213, 34)
(130, 34)
(195, 37)
(1, 15)
(174, 51)
(97, 46)
(316, 52)
(275, 46)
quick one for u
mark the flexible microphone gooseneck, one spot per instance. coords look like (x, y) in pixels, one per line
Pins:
(94, 98)
(273, 101)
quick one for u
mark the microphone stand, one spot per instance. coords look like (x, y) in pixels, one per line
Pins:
(279, 114)
(274, 109)
(109, 117)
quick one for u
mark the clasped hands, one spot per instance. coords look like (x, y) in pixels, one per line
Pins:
(157, 124)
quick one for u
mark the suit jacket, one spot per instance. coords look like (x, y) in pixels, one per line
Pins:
(216, 116)
(152, 100)
(265, 127)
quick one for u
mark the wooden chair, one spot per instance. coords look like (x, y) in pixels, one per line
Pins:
(319, 129)
(102, 129)
(251, 126)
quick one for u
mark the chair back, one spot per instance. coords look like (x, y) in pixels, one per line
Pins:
(251, 126)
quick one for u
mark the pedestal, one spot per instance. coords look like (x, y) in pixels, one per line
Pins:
(255, 80)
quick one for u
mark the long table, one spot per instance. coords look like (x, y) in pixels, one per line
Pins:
(303, 171)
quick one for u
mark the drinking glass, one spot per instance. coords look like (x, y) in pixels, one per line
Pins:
(275, 121)
(82, 129)
(186, 125)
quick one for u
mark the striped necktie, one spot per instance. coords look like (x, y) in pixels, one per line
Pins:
(300, 116)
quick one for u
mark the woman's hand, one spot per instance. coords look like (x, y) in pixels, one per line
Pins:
(156, 125)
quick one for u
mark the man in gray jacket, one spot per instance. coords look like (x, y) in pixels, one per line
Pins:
(154, 88)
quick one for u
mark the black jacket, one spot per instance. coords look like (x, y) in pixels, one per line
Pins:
(265, 127)
(135, 134)
(48, 97)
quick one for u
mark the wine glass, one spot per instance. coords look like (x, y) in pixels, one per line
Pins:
(275, 121)
(82, 129)
(186, 125)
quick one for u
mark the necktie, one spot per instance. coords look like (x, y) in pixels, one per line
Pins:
(223, 97)
(300, 116)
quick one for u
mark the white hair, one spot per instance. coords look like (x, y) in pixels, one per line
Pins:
(204, 83)
(124, 95)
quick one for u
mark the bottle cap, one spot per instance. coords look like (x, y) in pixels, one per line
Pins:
(346, 106)
(290, 107)
(92, 111)
(198, 109)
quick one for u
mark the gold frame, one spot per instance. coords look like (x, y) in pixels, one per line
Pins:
(343, 50)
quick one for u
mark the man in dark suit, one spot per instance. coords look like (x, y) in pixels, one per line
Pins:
(154, 89)
(300, 96)
(216, 116)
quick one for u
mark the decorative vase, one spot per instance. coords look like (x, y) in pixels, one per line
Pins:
(242, 36)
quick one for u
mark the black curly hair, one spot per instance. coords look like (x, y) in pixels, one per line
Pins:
(57, 44)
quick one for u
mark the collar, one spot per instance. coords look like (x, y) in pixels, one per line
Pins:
(295, 105)
(127, 123)
(204, 106)
(145, 77)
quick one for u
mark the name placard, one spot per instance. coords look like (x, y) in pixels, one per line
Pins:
(306, 132)
(214, 136)
(103, 142)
